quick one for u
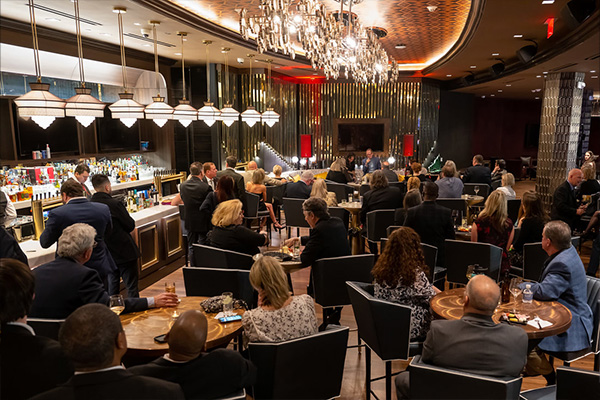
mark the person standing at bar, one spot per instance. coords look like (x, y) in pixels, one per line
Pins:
(193, 192)
(371, 163)
(210, 173)
(118, 239)
(82, 173)
(238, 179)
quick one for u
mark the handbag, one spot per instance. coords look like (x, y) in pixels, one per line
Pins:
(215, 304)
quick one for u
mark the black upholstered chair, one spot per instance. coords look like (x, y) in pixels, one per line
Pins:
(459, 205)
(364, 188)
(430, 252)
(496, 184)
(252, 213)
(513, 207)
(294, 217)
(391, 229)
(46, 327)
(432, 382)
(213, 257)
(484, 189)
(534, 257)
(341, 191)
(571, 383)
(377, 224)
(214, 281)
(384, 326)
(309, 367)
(341, 213)
(460, 254)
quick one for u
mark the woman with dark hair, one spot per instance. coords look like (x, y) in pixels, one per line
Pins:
(411, 199)
(223, 192)
(351, 163)
(532, 218)
(400, 276)
(499, 170)
(380, 197)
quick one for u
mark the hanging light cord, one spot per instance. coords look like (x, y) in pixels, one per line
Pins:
(251, 92)
(122, 45)
(227, 75)
(183, 67)
(36, 46)
(207, 43)
(269, 79)
(79, 44)
(156, 74)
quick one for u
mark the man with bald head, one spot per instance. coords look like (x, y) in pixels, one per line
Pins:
(252, 166)
(564, 201)
(201, 375)
(474, 343)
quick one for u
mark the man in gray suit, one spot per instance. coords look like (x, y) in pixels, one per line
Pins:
(474, 343)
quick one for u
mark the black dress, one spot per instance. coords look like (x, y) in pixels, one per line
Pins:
(236, 238)
(589, 187)
(531, 232)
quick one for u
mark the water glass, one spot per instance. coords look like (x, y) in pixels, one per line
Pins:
(350, 198)
(227, 298)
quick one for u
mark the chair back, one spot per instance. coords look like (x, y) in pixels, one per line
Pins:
(294, 217)
(378, 222)
(214, 281)
(252, 201)
(399, 185)
(513, 207)
(275, 194)
(430, 252)
(182, 219)
(46, 327)
(390, 229)
(341, 191)
(330, 275)
(364, 188)
(341, 213)
(593, 300)
(496, 184)
(239, 395)
(213, 257)
(460, 254)
(525, 161)
(383, 325)
(484, 189)
(454, 204)
(432, 382)
(534, 257)
(577, 384)
(309, 367)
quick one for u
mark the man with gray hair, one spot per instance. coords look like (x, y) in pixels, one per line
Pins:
(65, 284)
(302, 188)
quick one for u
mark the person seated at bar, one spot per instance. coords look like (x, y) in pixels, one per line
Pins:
(319, 190)
(252, 166)
(475, 343)
(338, 172)
(212, 375)
(257, 186)
(508, 181)
(532, 218)
(413, 183)
(493, 226)
(371, 163)
(450, 186)
(229, 233)
(400, 276)
(279, 316)
(499, 170)
(66, 283)
(381, 196)
(93, 339)
(302, 188)
(411, 199)
(31, 364)
(478, 173)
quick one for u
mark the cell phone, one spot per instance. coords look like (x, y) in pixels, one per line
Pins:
(161, 338)
(225, 320)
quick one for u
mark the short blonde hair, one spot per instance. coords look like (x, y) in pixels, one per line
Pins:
(588, 173)
(338, 165)
(277, 169)
(227, 213)
(508, 179)
(258, 177)
(267, 275)
(413, 183)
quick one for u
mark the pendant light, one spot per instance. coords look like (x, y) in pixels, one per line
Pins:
(184, 113)
(39, 104)
(158, 110)
(83, 106)
(126, 109)
(269, 117)
(251, 116)
(228, 114)
(208, 113)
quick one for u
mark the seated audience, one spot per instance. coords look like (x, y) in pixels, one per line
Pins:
(451, 187)
(419, 171)
(475, 343)
(564, 201)
(229, 233)
(411, 199)
(252, 166)
(400, 276)
(239, 185)
(499, 170)
(389, 174)
(319, 190)
(302, 188)
(279, 316)
(338, 172)
(413, 183)
(380, 197)
(213, 375)
(277, 170)
(508, 181)
(590, 185)
(223, 192)
(532, 218)
(351, 163)
(478, 173)
(65, 284)
(493, 226)
(30, 364)
(257, 186)
(590, 160)
(93, 338)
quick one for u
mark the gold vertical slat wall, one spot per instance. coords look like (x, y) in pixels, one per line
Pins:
(429, 121)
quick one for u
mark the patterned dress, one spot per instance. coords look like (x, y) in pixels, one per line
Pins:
(416, 296)
(486, 233)
(297, 319)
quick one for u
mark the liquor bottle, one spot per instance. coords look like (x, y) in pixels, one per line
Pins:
(506, 288)
(131, 202)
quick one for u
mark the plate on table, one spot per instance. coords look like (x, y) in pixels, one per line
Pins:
(279, 256)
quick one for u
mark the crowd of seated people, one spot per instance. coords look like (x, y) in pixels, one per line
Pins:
(319, 190)
(256, 185)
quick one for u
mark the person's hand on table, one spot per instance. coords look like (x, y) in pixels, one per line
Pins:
(291, 241)
(166, 300)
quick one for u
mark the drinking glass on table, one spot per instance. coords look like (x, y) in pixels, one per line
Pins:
(170, 287)
(515, 289)
(116, 304)
(227, 298)
(476, 190)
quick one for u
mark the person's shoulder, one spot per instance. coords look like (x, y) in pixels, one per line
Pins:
(304, 300)
(221, 355)
(153, 384)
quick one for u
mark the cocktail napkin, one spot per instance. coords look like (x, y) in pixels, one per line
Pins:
(539, 323)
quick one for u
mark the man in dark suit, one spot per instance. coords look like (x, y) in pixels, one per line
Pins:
(474, 343)
(213, 375)
(82, 173)
(30, 364)
(302, 188)
(76, 209)
(564, 201)
(121, 245)
(478, 173)
(432, 222)
(389, 174)
(93, 338)
(210, 174)
(65, 284)
(193, 192)
(380, 197)
(238, 180)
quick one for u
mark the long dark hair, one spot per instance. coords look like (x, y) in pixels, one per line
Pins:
(532, 207)
(224, 189)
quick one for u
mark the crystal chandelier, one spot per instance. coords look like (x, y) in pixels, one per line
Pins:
(228, 114)
(184, 113)
(158, 110)
(208, 113)
(251, 116)
(269, 117)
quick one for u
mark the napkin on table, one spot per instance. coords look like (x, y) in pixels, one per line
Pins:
(537, 322)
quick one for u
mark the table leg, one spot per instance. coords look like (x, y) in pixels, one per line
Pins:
(357, 242)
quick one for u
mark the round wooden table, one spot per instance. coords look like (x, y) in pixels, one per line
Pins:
(449, 305)
(354, 209)
(142, 327)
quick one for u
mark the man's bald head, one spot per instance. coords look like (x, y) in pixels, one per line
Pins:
(575, 176)
(187, 336)
(252, 165)
(482, 295)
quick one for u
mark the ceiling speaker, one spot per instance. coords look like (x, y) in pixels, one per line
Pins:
(497, 69)
(467, 80)
(526, 53)
(577, 11)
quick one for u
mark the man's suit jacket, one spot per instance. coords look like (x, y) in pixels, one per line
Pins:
(388, 198)
(193, 192)
(564, 204)
(328, 238)
(114, 384)
(239, 187)
(64, 285)
(121, 245)
(564, 280)
(433, 223)
(390, 175)
(30, 364)
(9, 247)
(478, 174)
(209, 181)
(297, 190)
(210, 376)
(79, 209)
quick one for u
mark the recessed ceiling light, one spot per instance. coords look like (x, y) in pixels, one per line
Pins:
(592, 71)
(137, 24)
(595, 77)
(105, 34)
(499, 90)
(538, 90)
(184, 39)
(431, 8)
(492, 95)
(547, 1)
(538, 76)
(545, 72)
(508, 85)
(177, 54)
(483, 97)
(53, 19)
(448, 75)
(495, 54)
(532, 90)
(400, 46)
(473, 66)
(517, 36)
(537, 98)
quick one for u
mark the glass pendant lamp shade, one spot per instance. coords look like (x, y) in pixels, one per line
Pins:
(126, 109)
(229, 115)
(41, 105)
(209, 114)
(184, 113)
(270, 117)
(84, 107)
(159, 111)
(251, 116)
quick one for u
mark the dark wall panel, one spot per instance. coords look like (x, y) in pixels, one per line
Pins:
(456, 127)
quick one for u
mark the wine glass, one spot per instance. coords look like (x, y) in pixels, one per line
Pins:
(116, 304)
(515, 289)
(476, 190)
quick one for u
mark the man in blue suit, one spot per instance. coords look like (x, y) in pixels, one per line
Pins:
(371, 164)
(76, 209)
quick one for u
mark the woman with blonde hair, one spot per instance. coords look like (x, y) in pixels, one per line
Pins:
(257, 186)
(279, 316)
(229, 233)
(449, 185)
(413, 183)
(508, 181)
(319, 190)
(338, 172)
(589, 185)
(493, 226)
(277, 170)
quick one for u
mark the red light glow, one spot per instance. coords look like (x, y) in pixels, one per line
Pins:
(550, 23)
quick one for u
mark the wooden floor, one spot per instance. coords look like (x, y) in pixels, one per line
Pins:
(353, 386)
